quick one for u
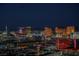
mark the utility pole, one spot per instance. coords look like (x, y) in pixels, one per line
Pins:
(38, 50)
(74, 41)
(58, 43)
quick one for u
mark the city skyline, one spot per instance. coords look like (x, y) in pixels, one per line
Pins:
(39, 29)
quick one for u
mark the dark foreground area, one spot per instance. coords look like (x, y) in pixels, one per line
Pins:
(29, 52)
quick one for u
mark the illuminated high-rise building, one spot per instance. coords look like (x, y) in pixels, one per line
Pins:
(25, 30)
(58, 30)
(70, 29)
(47, 32)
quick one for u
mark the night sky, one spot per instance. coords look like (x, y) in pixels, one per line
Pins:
(39, 15)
